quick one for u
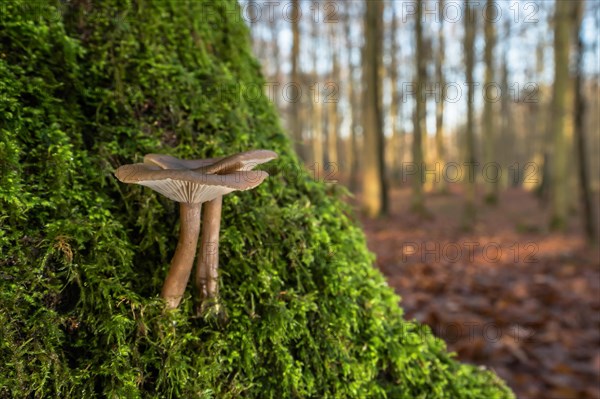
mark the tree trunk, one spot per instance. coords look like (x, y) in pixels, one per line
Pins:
(558, 199)
(489, 124)
(295, 121)
(316, 100)
(587, 212)
(506, 133)
(395, 145)
(439, 104)
(317, 133)
(374, 187)
(469, 175)
(537, 121)
(332, 97)
(418, 203)
(275, 55)
(543, 188)
(353, 155)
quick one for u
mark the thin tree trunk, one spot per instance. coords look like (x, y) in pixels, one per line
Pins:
(275, 55)
(439, 105)
(418, 202)
(353, 156)
(489, 126)
(559, 203)
(543, 188)
(506, 126)
(380, 114)
(580, 109)
(295, 120)
(374, 187)
(332, 104)
(394, 156)
(317, 114)
(317, 132)
(355, 160)
(538, 123)
(470, 24)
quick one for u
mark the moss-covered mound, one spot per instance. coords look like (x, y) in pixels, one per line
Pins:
(85, 87)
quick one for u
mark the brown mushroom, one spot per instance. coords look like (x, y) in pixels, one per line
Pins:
(207, 264)
(191, 189)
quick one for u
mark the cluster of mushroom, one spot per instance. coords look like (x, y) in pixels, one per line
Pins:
(193, 183)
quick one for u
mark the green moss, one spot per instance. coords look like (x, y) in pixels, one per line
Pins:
(86, 88)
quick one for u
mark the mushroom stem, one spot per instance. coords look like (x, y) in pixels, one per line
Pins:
(183, 259)
(207, 266)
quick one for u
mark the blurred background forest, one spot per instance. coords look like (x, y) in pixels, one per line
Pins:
(473, 128)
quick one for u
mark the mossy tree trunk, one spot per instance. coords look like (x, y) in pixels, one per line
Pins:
(86, 87)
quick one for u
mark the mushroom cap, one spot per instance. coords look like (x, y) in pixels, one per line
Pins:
(189, 186)
(170, 162)
(238, 162)
(243, 161)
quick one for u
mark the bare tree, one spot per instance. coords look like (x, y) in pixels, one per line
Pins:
(396, 146)
(470, 27)
(580, 109)
(332, 89)
(353, 98)
(439, 106)
(489, 124)
(275, 57)
(418, 201)
(316, 105)
(537, 121)
(374, 185)
(559, 186)
(295, 121)
(506, 125)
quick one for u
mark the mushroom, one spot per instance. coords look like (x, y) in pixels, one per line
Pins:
(190, 188)
(207, 264)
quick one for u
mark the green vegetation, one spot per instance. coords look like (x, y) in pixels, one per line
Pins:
(83, 257)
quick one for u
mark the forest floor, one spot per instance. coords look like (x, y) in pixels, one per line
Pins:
(508, 294)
